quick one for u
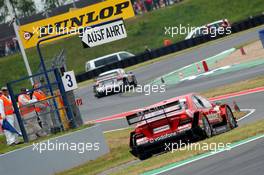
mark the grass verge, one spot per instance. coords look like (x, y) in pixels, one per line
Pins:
(235, 87)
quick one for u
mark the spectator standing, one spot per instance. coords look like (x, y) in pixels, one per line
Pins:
(136, 8)
(7, 48)
(166, 2)
(28, 113)
(7, 113)
(156, 4)
(141, 4)
(42, 108)
(16, 45)
(148, 4)
(12, 47)
(2, 51)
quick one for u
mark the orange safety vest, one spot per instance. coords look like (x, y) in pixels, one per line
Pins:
(40, 96)
(8, 106)
(25, 109)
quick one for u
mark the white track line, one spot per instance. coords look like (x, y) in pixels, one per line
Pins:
(249, 114)
(121, 129)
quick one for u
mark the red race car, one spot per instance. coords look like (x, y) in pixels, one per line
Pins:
(188, 117)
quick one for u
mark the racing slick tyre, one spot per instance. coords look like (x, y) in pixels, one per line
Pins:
(207, 129)
(98, 95)
(134, 82)
(231, 121)
(125, 84)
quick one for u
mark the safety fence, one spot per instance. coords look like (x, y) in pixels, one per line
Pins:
(38, 118)
(155, 53)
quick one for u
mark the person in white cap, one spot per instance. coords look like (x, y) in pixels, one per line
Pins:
(7, 112)
(5, 92)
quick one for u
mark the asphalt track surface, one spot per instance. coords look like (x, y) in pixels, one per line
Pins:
(94, 108)
(243, 160)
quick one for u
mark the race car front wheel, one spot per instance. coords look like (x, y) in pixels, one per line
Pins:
(231, 121)
(98, 95)
(207, 128)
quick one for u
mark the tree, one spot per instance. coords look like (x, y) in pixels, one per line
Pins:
(50, 4)
(3, 11)
(25, 7)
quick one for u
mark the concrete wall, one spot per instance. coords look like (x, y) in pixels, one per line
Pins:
(32, 161)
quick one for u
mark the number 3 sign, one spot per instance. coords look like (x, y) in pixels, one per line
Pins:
(69, 81)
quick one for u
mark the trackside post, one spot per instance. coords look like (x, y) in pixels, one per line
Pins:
(47, 77)
(65, 100)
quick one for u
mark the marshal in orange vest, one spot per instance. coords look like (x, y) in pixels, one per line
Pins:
(8, 106)
(40, 96)
(25, 109)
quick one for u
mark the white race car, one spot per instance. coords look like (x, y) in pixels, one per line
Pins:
(218, 27)
(113, 81)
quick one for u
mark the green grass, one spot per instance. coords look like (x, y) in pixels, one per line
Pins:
(235, 87)
(147, 29)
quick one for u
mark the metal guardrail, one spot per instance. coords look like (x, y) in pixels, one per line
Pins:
(57, 91)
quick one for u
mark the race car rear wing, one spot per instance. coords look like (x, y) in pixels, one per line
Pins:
(106, 77)
(154, 113)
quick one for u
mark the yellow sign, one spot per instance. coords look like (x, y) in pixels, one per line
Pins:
(74, 21)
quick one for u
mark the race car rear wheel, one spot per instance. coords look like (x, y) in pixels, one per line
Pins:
(125, 84)
(231, 121)
(134, 82)
(208, 132)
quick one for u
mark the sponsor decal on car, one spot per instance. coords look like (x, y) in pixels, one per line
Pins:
(161, 129)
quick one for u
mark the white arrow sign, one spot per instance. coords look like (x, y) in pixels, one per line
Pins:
(105, 33)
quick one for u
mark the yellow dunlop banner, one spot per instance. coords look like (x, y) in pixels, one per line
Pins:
(74, 21)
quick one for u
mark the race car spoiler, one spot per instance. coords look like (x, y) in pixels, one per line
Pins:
(107, 77)
(158, 112)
